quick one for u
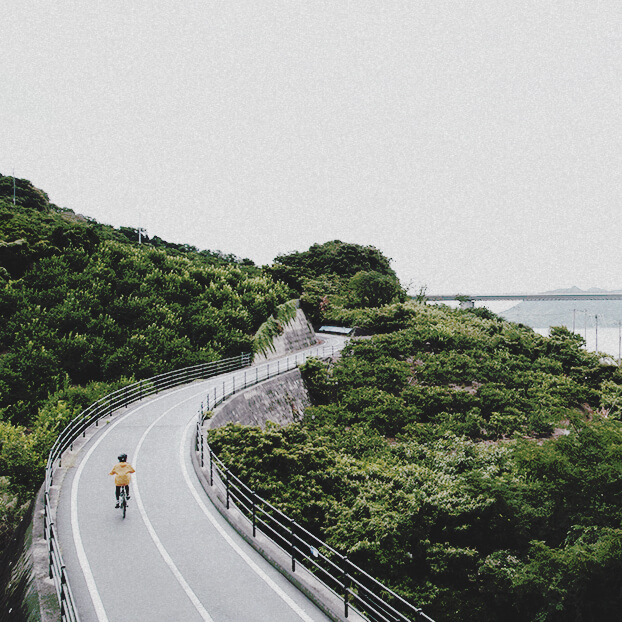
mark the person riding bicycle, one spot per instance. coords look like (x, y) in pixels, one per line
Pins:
(122, 477)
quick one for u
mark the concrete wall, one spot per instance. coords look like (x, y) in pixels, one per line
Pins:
(298, 334)
(281, 400)
(27, 594)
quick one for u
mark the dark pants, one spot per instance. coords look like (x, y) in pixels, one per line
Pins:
(118, 491)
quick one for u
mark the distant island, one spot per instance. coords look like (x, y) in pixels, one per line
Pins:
(577, 313)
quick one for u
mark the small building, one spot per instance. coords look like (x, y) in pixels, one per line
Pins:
(336, 330)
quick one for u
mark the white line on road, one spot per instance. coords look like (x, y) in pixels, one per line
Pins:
(77, 537)
(75, 523)
(194, 599)
(182, 448)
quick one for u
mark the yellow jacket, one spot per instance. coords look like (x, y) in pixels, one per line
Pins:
(121, 473)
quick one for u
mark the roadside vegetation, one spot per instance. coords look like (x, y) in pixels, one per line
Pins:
(85, 309)
(470, 463)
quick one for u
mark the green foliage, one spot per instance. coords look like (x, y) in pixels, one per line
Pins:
(11, 512)
(373, 289)
(84, 307)
(471, 464)
(274, 326)
(318, 380)
(338, 275)
(113, 310)
(336, 257)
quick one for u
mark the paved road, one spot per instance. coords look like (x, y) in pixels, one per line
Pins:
(173, 558)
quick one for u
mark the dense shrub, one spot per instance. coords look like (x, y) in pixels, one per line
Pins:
(430, 458)
(84, 307)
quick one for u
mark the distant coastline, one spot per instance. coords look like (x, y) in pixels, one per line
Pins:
(573, 313)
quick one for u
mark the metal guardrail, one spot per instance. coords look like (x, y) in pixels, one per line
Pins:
(78, 426)
(357, 589)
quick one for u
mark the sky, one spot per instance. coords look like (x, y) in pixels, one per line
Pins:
(476, 143)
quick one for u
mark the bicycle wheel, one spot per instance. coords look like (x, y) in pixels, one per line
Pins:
(123, 502)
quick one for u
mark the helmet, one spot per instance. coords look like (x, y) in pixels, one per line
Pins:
(123, 458)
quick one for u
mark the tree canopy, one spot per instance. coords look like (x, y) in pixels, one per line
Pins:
(85, 308)
(470, 463)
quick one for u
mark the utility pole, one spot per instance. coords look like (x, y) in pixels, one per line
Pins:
(596, 347)
(574, 311)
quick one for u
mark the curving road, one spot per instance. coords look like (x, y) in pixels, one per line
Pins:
(174, 558)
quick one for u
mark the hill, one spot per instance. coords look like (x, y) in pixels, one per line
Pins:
(468, 462)
(84, 309)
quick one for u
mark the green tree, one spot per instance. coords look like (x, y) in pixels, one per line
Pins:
(373, 289)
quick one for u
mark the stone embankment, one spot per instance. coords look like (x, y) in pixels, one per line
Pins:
(297, 335)
(281, 400)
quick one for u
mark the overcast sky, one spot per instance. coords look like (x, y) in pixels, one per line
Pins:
(476, 143)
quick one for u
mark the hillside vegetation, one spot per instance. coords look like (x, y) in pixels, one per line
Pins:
(84, 308)
(337, 275)
(471, 464)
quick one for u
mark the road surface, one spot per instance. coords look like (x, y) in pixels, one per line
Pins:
(173, 558)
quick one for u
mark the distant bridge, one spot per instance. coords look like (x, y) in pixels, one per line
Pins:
(469, 300)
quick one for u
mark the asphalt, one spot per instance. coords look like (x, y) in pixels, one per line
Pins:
(174, 557)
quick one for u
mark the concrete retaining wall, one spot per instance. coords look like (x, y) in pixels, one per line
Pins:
(298, 335)
(281, 400)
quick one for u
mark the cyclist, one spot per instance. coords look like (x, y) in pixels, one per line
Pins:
(122, 477)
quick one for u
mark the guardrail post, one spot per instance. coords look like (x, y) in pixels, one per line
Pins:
(227, 472)
(234, 384)
(292, 542)
(51, 552)
(63, 598)
(211, 467)
(254, 498)
(346, 586)
(202, 458)
(46, 505)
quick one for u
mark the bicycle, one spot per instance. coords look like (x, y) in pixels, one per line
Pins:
(123, 501)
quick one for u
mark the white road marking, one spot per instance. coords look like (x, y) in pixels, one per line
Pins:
(75, 523)
(194, 599)
(77, 537)
(260, 573)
